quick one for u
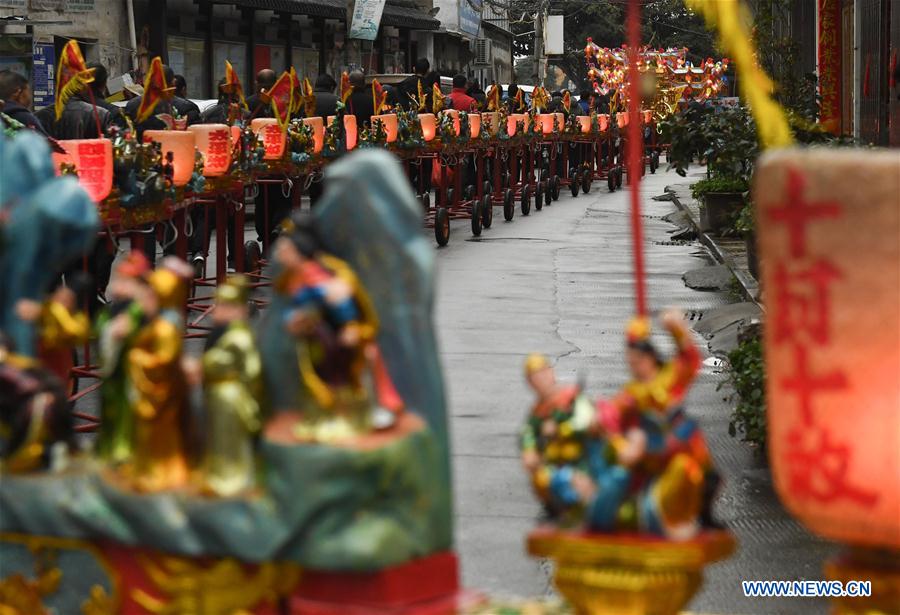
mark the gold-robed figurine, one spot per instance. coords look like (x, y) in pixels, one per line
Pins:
(232, 388)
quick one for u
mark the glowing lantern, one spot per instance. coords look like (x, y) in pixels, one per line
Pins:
(585, 122)
(622, 119)
(429, 125)
(455, 115)
(273, 138)
(474, 125)
(389, 121)
(491, 121)
(648, 116)
(350, 131)
(603, 121)
(214, 142)
(560, 120)
(830, 257)
(236, 138)
(180, 143)
(512, 122)
(526, 120)
(318, 128)
(546, 122)
(93, 161)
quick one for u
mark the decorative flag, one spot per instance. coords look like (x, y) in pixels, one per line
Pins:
(155, 90)
(379, 97)
(233, 84)
(421, 101)
(437, 98)
(346, 88)
(72, 76)
(296, 92)
(567, 101)
(520, 103)
(281, 97)
(539, 98)
(493, 98)
(309, 98)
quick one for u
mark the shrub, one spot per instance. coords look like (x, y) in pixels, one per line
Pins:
(718, 184)
(747, 378)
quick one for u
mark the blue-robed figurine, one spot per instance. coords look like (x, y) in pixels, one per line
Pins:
(45, 223)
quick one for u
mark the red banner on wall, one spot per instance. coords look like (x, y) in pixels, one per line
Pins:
(830, 64)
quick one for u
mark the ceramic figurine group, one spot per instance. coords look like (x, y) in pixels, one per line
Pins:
(635, 462)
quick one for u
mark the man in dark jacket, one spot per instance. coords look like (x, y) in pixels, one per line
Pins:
(16, 94)
(408, 89)
(474, 90)
(219, 112)
(326, 99)
(78, 119)
(360, 102)
(177, 105)
(100, 92)
(265, 79)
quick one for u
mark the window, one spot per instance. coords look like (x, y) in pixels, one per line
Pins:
(187, 57)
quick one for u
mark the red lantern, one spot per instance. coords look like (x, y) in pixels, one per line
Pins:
(474, 125)
(830, 260)
(491, 121)
(603, 121)
(455, 115)
(429, 125)
(180, 143)
(214, 142)
(585, 122)
(273, 137)
(350, 130)
(546, 122)
(93, 162)
(318, 128)
(390, 124)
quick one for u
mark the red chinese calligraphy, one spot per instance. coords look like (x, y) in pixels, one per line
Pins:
(806, 385)
(797, 213)
(804, 301)
(818, 469)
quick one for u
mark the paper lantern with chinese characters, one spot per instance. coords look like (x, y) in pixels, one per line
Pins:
(455, 115)
(828, 224)
(622, 119)
(429, 125)
(318, 128)
(512, 122)
(272, 136)
(546, 122)
(350, 130)
(93, 162)
(585, 122)
(214, 142)
(491, 121)
(181, 144)
(390, 123)
(603, 121)
(474, 125)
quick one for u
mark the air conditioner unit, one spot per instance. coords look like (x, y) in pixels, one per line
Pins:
(484, 51)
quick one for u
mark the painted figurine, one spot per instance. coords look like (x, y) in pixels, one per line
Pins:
(335, 324)
(232, 387)
(117, 326)
(157, 393)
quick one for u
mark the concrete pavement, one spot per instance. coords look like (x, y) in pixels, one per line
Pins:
(560, 282)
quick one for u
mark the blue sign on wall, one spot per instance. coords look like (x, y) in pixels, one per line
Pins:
(470, 16)
(43, 83)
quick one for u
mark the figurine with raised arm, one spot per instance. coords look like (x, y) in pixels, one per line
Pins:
(232, 389)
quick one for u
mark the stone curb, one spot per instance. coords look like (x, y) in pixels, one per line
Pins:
(749, 286)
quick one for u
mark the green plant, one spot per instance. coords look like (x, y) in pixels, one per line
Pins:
(683, 131)
(747, 378)
(745, 222)
(718, 184)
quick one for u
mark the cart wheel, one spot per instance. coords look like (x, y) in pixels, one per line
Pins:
(476, 217)
(654, 162)
(487, 211)
(252, 255)
(505, 179)
(555, 184)
(548, 192)
(425, 199)
(586, 182)
(487, 188)
(442, 226)
(620, 172)
(574, 182)
(470, 193)
(539, 196)
(449, 200)
(509, 205)
(611, 180)
(526, 200)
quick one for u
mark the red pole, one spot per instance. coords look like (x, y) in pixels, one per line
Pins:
(96, 115)
(635, 151)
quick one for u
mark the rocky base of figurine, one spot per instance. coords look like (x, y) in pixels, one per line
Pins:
(615, 574)
(359, 507)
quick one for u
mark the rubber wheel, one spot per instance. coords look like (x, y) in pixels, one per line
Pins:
(442, 226)
(611, 180)
(252, 256)
(539, 196)
(487, 188)
(487, 211)
(548, 192)
(654, 162)
(426, 202)
(449, 200)
(509, 205)
(526, 200)
(555, 182)
(470, 193)
(575, 182)
(620, 172)
(586, 182)
(476, 218)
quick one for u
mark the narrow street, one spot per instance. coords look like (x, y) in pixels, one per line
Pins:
(560, 282)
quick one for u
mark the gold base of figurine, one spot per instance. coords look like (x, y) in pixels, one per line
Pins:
(881, 568)
(604, 574)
